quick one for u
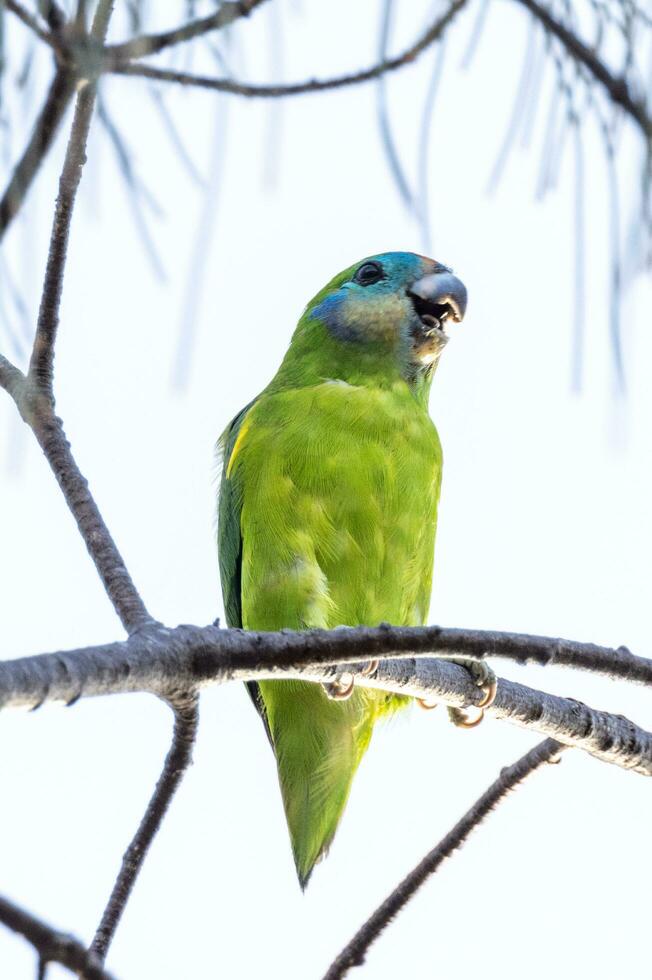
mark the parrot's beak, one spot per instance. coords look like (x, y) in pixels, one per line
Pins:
(437, 298)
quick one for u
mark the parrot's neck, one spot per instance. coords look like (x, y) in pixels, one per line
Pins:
(315, 356)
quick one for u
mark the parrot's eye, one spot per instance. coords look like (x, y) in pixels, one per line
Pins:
(369, 273)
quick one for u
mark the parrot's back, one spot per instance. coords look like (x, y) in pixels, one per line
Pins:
(328, 509)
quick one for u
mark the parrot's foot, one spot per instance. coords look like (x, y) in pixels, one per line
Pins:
(341, 688)
(485, 678)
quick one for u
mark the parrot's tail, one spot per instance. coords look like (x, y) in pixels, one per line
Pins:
(318, 744)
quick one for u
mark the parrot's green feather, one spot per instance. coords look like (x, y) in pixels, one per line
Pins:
(327, 517)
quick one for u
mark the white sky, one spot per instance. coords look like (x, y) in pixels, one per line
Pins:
(544, 527)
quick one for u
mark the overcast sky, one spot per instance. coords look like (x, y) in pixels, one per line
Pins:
(544, 523)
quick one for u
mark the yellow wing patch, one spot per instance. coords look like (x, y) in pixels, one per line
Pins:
(237, 445)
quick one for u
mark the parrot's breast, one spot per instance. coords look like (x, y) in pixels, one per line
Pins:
(339, 488)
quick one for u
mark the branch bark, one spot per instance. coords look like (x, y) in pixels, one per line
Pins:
(512, 776)
(179, 757)
(52, 946)
(163, 661)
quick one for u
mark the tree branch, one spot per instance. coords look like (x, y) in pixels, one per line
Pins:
(355, 951)
(146, 44)
(432, 34)
(42, 359)
(52, 946)
(45, 129)
(617, 88)
(53, 14)
(163, 661)
(179, 757)
(34, 394)
(28, 20)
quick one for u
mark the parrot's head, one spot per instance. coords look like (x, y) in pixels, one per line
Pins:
(387, 313)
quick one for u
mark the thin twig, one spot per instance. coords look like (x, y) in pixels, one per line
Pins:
(179, 757)
(355, 951)
(617, 88)
(51, 945)
(159, 661)
(139, 47)
(42, 359)
(45, 129)
(53, 14)
(432, 34)
(29, 21)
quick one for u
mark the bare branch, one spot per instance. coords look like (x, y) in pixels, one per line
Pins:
(617, 88)
(28, 20)
(512, 776)
(432, 34)
(179, 757)
(34, 395)
(42, 359)
(163, 661)
(42, 137)
(97, 537)
(52, 946)
(53, 14)
(146, 44)
(41, 363)
(11, 378)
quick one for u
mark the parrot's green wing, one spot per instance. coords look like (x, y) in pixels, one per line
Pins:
(229, 539)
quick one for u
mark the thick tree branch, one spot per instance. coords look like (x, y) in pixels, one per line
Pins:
(146, 44)
(51, 945)
(179, 757)
(162, 661)
(616, 87)
(355, 951)
(45, 129)
(432, 34)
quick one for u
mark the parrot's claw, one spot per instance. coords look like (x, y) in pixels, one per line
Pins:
(370, 669)
(485, 678)
(341, 688)
(427, 703)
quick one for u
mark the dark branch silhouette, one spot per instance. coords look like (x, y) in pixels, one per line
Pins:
(512, 776)
(179, 757)
(45, 129)
(617, 88)
(51, 945)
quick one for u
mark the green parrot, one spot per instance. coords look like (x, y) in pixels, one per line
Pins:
(328, 510)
